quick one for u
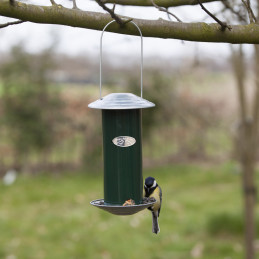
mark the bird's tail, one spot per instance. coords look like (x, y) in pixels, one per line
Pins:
(155, 226)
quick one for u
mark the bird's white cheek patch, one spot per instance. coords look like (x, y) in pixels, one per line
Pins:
(154, 184)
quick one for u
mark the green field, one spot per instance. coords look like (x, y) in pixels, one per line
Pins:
(49, 216)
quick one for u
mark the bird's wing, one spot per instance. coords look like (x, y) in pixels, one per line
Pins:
(160, 196)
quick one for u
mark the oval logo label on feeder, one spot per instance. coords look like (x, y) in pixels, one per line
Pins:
(124, 141)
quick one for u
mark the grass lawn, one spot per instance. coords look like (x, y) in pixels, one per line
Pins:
(49, 216)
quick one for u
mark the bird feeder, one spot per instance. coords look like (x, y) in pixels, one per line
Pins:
(122, 146)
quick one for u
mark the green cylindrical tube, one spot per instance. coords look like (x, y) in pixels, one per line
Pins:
(122, 152)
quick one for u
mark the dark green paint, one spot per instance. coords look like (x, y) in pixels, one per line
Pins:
(123, 178)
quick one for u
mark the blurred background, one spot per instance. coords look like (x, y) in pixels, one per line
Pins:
(51, 145)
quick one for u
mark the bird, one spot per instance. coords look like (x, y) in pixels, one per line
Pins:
(152, 189)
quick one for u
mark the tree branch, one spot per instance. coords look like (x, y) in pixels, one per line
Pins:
(200, 32)
(74, 5)
(240, 16)
(250, 12)
(111, 12)
(162, 3)
(10, 23)
(163, 9)
(222, 24)
(53, 2)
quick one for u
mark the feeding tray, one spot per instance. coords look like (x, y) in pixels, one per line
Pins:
(121, 210)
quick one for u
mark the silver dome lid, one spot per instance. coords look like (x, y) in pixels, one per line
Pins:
(121, 101)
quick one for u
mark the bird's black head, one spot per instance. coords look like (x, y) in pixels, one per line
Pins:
(150, 182)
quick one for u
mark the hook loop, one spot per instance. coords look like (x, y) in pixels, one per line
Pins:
(141, 57)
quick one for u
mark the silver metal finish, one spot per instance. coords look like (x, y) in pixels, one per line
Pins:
(141, 57)
(121, 101)
(120, 210)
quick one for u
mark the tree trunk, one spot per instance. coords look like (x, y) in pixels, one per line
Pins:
(247, 147)
(249, 202)
(248, 168)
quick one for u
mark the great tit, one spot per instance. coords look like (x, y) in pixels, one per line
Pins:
(152, 189)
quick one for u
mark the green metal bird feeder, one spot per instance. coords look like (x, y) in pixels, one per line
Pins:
(122, 146)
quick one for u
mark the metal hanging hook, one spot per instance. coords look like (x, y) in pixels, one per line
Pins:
(141, 57)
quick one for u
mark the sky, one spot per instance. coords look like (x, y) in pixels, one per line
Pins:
(77, 41)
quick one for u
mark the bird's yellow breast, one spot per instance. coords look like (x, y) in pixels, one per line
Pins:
(156, 195)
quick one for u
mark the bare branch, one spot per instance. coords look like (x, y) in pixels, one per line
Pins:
(222, 24)
(113, 8)
(250, 12)
(215, 14)
(163, 9)
(10, 23)
(237, 13)
(53, 2)
(201, 32)
(168, 15)
(163, 3)
(74, 5)
(111, 12)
